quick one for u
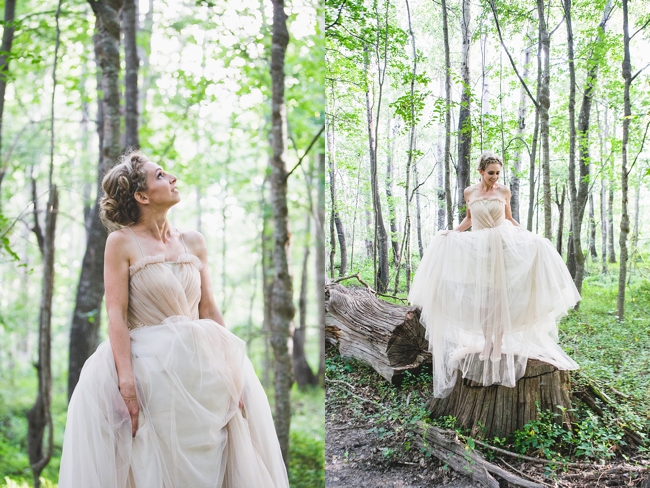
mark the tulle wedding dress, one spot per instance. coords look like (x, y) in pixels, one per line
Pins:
(491, 299)
(190, 375)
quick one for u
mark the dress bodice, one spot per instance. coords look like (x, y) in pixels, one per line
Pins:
(160, 289)
(487, 212)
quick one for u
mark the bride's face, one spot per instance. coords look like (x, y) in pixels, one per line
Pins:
(490, 175)
(161, 186)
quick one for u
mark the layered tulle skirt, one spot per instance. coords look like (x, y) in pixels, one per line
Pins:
(491, 299)
(190, 375)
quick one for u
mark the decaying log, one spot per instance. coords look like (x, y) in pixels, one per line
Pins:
(388, 337)
(490, 411)
(444, 445)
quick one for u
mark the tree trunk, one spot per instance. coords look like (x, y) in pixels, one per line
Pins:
(132, 63)
(267, 280)
(544, 104)
(39, 417)
(418, 211)
(381, 275)
(301, 369)
(320, 267)
(464, 116)
(521, 125)
(336, 225)
(5, 51)
(282, 309)
(560, 225)
(627, 111)
(611, 251)
(441, 174)
(603, 223)
(490, 411)
(145, 50)
(390, 189)
(90, 290)
(445, 31)
(592, 229)
(580, 195)
(390, 338)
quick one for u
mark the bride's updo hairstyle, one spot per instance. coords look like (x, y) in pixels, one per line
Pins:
(488, 158)
(118, 207)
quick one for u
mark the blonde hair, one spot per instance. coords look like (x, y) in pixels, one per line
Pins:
(488, 158)
(118, 207)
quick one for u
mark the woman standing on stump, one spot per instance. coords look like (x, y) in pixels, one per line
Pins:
(171, 401)
(491, 298)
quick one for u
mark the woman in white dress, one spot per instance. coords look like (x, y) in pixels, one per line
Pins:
(491, 298)
(171, 400)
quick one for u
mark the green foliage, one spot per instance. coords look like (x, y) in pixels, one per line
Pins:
(306, 461)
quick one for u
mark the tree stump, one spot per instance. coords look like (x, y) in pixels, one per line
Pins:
(388, 337)
(497, 410)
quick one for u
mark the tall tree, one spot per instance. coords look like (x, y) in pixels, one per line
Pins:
(304, 375)
(39, 417)
(543, 107)
(8, 31)
(336, 225)
(464, 117)
(131, 66)
(445, 32)
(580, 194)
(282, 308)
(90, 290)
(320, 265)
(390, 190)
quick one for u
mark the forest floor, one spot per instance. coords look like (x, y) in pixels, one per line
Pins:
(370, 424)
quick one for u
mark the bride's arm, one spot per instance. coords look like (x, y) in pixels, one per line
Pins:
(116, 282)
(207, 306)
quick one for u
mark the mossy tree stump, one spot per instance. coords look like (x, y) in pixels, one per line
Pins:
(391, 339)
(490, 411)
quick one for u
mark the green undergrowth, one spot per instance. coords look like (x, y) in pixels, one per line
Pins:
(614, 357)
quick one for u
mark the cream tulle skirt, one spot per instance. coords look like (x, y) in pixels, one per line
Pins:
(491, 299)
(190, 376)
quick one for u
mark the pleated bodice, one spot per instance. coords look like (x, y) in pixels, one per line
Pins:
(160, 289)
(487, 212)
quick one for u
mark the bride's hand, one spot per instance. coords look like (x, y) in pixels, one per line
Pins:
(131, 401)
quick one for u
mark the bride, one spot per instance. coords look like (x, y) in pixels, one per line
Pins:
(491, 298)
(171, 400)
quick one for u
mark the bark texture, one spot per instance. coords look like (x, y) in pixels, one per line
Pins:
(132, 63)
(301, 369)
(464, 117)
(445, 31)
(497, 410)
(320, 266)
(544, 100)
(86, 318)
(627, 111)
(282, 308)
(388, 337)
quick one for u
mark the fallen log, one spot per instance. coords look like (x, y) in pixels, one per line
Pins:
(444, 445)
(388, 337)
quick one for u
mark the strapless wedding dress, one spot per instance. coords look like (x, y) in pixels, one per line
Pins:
(491, 299)
(190, 375)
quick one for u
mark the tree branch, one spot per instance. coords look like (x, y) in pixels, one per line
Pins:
(313, 141)
(640, 28)
(338, 17)
(645, 134)
(512, 61)
(638, 72)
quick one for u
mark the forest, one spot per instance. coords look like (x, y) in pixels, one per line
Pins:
(415, 92)
(228, 96)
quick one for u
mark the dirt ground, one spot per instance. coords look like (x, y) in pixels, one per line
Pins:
(354, 458)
